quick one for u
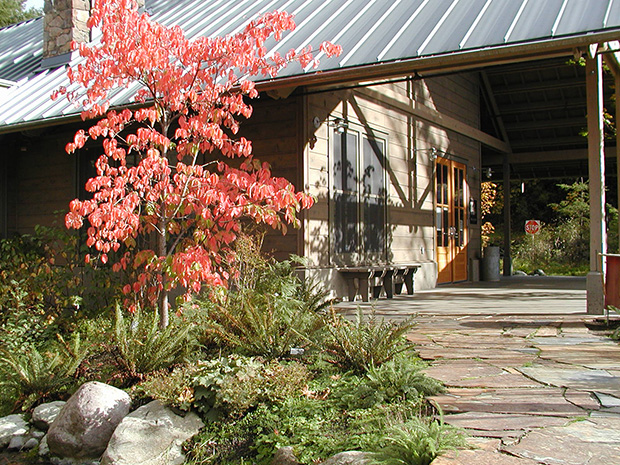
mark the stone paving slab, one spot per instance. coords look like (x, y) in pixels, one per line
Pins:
(505, 349)
(547, 402)
(509, 424)
(591, 442)
(576, 378)
(477, 374)
(481, 457)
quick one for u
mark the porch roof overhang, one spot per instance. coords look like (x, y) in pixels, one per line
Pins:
(381, 40)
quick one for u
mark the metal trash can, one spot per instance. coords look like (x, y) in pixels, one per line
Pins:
(490, 264)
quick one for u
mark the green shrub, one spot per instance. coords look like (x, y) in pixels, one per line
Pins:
(141, 347)
(267, 311)
(395, 381)
(34, 375)
(417, 442)
(172, 388)
(44, 273)
(364, 343)
(233, 385)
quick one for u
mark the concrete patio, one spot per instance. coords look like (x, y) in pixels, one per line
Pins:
(526, 379)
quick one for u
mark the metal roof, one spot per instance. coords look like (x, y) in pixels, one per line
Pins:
(374, 34)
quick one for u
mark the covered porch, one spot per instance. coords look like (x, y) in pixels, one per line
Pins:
(512, 295)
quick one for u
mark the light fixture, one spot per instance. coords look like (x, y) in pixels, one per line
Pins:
(340, 125)
(432, 152)
(488, 172)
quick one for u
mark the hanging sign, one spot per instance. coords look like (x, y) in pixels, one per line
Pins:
(532, 226)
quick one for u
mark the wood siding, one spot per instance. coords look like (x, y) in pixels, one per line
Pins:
(410, 165)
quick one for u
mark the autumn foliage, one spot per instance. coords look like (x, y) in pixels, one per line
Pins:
(164, 173)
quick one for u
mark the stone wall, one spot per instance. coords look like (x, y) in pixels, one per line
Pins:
(65, 21)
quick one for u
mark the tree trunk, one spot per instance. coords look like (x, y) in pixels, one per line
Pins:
(162, 299)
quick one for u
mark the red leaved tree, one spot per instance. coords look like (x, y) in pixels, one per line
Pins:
(161, 174)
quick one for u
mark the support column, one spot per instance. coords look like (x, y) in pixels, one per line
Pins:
(617, 87)
(596, 170)
(507, 219)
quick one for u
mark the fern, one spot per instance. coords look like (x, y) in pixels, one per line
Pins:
(417, 442)
(144, 348)
(34, 375)
(364, 344)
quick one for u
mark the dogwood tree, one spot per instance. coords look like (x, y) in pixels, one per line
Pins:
(163, 172)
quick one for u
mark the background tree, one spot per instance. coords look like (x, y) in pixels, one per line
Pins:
(14, 11)
(167, 170)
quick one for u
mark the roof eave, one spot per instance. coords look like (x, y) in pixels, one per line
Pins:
(449, 62)
(444, 63)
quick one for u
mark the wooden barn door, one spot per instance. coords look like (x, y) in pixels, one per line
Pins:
(451, 221)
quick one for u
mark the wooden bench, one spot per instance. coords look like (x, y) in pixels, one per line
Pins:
(370, 280)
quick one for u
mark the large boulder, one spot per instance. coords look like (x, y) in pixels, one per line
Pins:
(351, 457)
(152, 435)
(10, 427)
(85, 424)
(43, 415)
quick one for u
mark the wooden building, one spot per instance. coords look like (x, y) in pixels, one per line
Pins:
(393, 138)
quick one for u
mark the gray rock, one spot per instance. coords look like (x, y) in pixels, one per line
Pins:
(284, 456)
(519, 273)
(31, 443)
(13, 425)
(352, 457)
(44, 449)
(152, 435)
(43, 415)
(37, 434)
(85, 424)
(17, 442)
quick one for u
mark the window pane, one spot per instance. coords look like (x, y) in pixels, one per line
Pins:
(346, 220)
(372, 174)
(345, 162)
(446, 222)
(374, 224)
(373, 192)
(444, 184)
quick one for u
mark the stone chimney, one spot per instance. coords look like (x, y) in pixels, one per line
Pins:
(65, 21)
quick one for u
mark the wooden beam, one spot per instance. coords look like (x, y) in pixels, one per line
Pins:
(542, 157)
(411, 107)
(596, 169)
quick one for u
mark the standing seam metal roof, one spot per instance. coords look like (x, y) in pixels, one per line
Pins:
(370, 32)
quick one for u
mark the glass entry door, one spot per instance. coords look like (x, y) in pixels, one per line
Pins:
(450, 221)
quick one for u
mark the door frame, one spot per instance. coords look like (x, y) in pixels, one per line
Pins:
(451, 220)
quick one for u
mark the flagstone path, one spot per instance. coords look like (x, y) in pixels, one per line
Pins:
(529, 389)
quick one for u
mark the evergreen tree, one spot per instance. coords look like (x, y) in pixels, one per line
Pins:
(14, 11)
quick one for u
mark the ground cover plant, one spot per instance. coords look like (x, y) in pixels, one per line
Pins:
(357, 385)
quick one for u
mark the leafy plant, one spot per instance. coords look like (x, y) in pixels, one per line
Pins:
(233, 385)
(45, 287)
(142, 348)
(173, 388)
(34, 375)
(364, 343)
(417, 442)
(395, 381)
(267, 311)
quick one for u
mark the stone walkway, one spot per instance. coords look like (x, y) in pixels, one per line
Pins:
(535, 387)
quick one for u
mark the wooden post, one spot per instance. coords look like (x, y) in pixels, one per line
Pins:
(596, 170)
(507, 219)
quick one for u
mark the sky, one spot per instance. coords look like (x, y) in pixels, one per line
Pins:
(34, 4)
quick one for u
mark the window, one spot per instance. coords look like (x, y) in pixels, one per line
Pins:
(358, 197)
